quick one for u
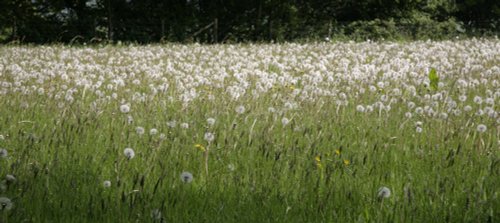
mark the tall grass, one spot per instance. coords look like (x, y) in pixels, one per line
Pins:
(326, 164)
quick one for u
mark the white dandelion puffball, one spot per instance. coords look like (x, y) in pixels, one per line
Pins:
(106, 183)
(156, 214)
(481, 128)
(209, 137)
(139, 130)
(210, 121)
(231, 167)
(10, 178)
(153, 131)
(185, 125)
(124, 109)
(3, 153)
(240, 109)
(129, 153)
(171, 123)
(360, 108)
(478, 100)
(5, 204)
(2, 137)
(418, 129)
(186, 177)
(285, 121)
(383, 192)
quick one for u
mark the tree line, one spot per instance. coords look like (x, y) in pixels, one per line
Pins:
(215, 21)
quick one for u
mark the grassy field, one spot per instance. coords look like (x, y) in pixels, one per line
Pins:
(326, 132)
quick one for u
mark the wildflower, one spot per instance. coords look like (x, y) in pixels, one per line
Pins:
(360, 108)
(462, 98)
(209, 136)
(467, 108)
(5, 204)
(163, 136)
(171, 123)
(285, 121)
(347, 162)
(337, 152)
(139, 130)
(240, 109)
(481, 128)
(383, 192)
(106, 183)
(156, 214)
(271, 109)
(490, 101)
(411, 104)
(10, 178)
(231, 167)
(210, 121)
(443, 115)
(2, 137)
(408, 115)
(478, 100)
(186, 177)
(130, 119)
(200, 147)
(153, 131)
(318, 161)
(369, 108)
(129, 153)
(3, 153)
(184, 125)
(124, 109)
(419, 110)
(418, 129)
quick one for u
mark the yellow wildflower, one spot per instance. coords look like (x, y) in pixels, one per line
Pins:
(318, 162)
(347, 162)
(200, 147)
(337, 152)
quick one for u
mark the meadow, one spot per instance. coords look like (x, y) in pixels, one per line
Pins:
(319, 132)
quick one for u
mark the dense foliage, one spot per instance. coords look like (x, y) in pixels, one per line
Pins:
(144, 21)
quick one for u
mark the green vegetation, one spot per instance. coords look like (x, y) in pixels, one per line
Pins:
(307, 149)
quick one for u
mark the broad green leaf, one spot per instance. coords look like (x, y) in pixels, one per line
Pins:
(434, 79)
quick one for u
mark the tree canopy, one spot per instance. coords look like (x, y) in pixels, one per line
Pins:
(145, 21)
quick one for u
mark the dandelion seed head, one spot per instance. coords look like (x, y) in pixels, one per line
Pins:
(124, 109)
(285, 121)
(481, 128)
(383, 192)
(478, 100)
(139, 130)
(231, 167)
(360, 108)
(129, 153)
(172, 123)
(106, 183)
(3, 153)
(184, 125)
(156, 214)
(153, 131)
(10, 178)
(240, 109)
(5, 204)
(209, 137)
(186, 177)
(210, 121)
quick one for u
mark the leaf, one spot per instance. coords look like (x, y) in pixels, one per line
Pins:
(434, 79)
